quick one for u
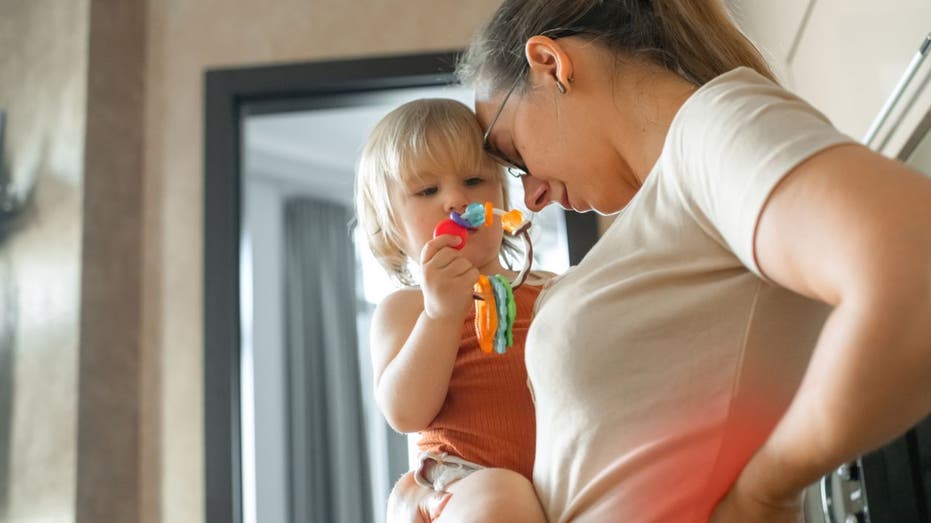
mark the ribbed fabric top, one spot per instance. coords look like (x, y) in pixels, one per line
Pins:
(487, 417)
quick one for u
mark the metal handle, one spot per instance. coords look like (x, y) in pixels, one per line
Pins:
(524, 232)
(906, 79)
(843, 494)
(827, 499)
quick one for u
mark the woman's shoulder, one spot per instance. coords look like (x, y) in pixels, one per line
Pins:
(741, 111)
(738, 78)
(735, 94)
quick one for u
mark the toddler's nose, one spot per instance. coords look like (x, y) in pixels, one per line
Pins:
(457, 202)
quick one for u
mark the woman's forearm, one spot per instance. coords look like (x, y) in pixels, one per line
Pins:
(869, 380)
(413, 386)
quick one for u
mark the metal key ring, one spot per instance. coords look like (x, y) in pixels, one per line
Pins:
(524, 232)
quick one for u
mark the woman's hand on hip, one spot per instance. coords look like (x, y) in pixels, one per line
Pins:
(741, 505)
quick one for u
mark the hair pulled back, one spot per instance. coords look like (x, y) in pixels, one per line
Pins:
(696, 39)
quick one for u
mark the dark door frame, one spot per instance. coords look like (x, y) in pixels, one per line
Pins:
(278, 88)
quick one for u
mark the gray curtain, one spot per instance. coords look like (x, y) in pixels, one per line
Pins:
(9, 316)
(329, 467)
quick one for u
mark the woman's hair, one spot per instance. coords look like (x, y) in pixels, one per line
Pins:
(696, 39)
(426, 133)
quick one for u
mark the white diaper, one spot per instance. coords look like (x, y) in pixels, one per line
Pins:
(439, 471)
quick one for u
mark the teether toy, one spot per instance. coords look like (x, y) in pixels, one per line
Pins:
(495, 308)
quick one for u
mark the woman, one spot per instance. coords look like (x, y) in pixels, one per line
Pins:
(757, 313)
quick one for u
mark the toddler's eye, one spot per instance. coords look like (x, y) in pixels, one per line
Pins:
(474, 181)
(429, 191)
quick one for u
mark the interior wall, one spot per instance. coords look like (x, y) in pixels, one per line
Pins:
(842, 56)
(185, 39)
(114, 458)
(853, 53)
(43, 76)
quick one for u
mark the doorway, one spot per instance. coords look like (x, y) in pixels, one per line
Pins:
(282, 405)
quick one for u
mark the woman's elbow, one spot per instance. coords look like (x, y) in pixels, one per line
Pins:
(899, 299)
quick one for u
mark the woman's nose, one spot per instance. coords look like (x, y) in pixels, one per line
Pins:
(536, 193)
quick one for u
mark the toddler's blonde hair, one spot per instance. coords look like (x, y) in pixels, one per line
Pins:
(431, 132)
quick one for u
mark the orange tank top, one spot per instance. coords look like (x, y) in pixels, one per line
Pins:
(488, 416)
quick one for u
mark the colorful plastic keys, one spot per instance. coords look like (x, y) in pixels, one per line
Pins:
(495, 308)
(449, 226)
(476, 215)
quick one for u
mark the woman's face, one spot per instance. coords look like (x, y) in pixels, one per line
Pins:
(563, 142)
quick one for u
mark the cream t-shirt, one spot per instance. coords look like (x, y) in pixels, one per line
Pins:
(664, 359)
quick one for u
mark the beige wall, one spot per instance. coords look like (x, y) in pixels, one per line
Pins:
(184, 39)
(847, 56)
(43, 75)
(852, 54)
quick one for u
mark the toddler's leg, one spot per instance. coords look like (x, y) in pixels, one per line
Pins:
(413, 503)
(492, 495)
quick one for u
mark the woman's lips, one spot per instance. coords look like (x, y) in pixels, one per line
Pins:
(564, 202)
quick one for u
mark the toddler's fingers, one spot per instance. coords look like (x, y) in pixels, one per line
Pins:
(437, 244)
(471, 275)
(461, 267)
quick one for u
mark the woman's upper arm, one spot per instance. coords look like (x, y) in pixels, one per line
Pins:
(847, 220)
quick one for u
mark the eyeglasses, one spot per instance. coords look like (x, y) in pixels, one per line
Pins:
(512, 168)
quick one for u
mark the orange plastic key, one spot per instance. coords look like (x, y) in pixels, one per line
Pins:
(511, 220)
(486, 315)
(489, 213)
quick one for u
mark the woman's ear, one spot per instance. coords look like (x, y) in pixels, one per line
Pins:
(549, 61)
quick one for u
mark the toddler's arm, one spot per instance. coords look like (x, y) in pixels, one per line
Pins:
(416, 336)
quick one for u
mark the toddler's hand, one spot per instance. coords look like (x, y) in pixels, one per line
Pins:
(448, 278)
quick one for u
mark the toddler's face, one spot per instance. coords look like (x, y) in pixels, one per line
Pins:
(429, 197)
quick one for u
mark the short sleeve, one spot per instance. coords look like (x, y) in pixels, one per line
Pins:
(730, 145)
